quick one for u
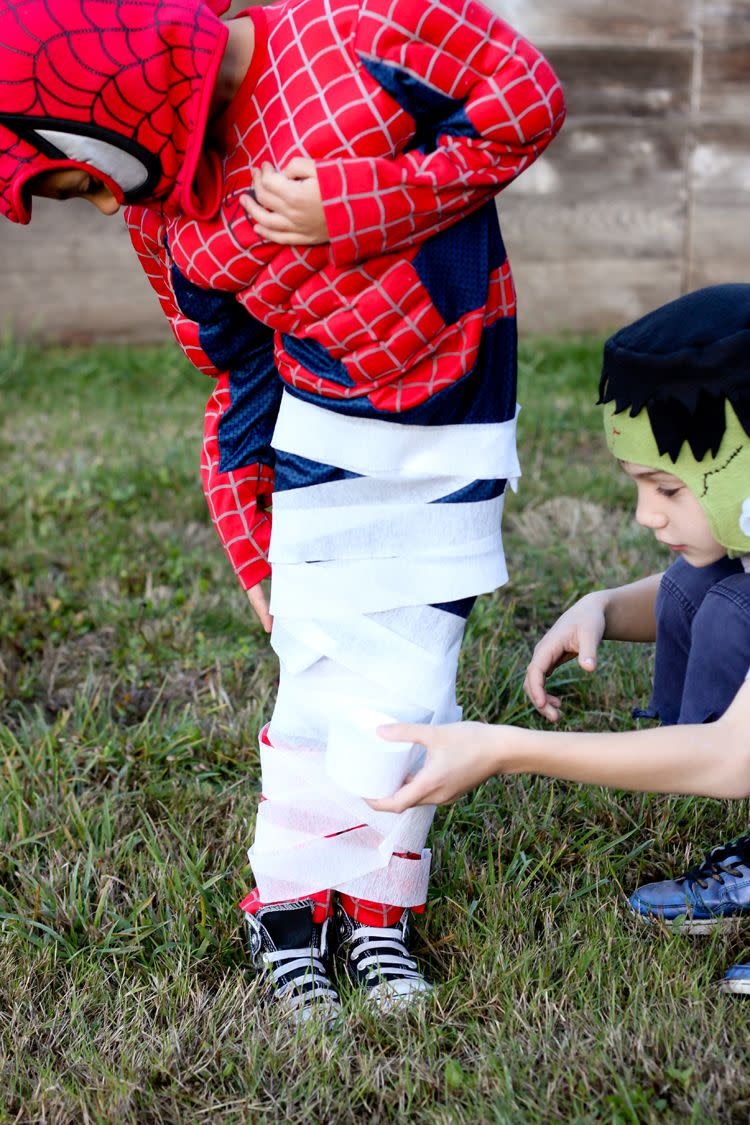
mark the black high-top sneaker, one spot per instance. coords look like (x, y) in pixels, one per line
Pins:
(291, 951)
(377, 960)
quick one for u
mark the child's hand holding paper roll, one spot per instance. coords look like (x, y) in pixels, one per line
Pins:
(459, 757)
(361, 762)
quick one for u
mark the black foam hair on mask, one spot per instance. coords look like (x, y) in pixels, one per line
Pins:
(681, 363)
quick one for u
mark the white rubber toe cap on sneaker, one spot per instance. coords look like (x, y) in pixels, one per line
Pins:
(391, 996)
(324, 1014)
(324, 1011)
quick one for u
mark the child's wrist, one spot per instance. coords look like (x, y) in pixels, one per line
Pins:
(601, 602)
(511, 749)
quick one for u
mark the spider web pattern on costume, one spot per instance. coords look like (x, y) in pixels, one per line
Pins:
(372, 315)
(316, 98)
(239, 501)
(117, 68)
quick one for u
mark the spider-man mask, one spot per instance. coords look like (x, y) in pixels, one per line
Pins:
(120, 88)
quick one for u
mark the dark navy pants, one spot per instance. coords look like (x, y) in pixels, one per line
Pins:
(702, 641)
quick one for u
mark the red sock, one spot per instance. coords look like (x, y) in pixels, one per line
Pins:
(377, 913)
(361, 909)
(251, 904)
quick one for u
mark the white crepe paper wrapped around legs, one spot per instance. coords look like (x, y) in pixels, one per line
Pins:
(381, 491)
(369, 586)
(357, 532)
(312, 834)
(361, 566)
(411, 655)
(298, 777)
(307, 700)
(403, 882)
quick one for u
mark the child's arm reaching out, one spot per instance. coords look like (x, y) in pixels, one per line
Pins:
(710, 759)
(625, 613)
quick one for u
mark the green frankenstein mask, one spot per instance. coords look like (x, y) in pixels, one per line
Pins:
(676, 392)
(721, 483)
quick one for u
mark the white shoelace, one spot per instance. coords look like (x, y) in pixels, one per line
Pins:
(381, 953)
(285, 961)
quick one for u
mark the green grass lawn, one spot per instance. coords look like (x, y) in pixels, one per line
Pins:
(133, 681)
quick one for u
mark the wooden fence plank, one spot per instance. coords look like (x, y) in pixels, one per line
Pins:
(624, 80)
(602, 192)
(725, 89)
(73, 275)
(720, 166)
(550, 21)
(725, 21)
(585, 296)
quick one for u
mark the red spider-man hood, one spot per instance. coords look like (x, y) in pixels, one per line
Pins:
(121, 88)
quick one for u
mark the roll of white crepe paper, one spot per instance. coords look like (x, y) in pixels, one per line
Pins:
(361, 762)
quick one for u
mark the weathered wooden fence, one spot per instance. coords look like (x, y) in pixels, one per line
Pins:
(645, 194)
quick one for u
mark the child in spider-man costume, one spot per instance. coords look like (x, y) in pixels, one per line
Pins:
(311, 190)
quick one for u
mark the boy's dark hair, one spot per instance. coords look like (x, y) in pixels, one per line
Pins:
(682, 362)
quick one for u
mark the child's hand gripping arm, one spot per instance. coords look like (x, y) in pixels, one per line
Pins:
(286, 206)
(625, 613)
(708, 759)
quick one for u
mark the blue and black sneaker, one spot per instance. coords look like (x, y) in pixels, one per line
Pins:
(715, 893)
(736, 980)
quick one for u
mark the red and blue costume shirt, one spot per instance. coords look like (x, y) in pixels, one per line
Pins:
(416, 113)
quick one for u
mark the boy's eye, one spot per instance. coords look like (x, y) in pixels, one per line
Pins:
(663, 491)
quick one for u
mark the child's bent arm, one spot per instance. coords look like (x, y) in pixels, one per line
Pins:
(630, 610)
(237, 476)
(485, 105)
